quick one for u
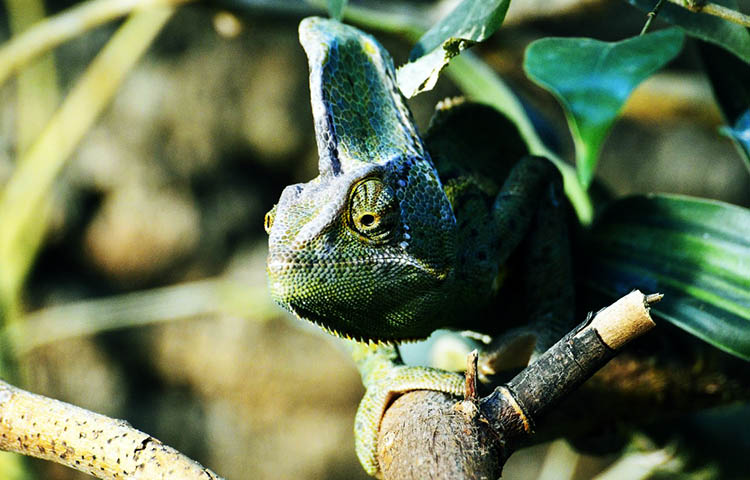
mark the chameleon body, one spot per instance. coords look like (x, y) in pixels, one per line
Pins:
(399, 236)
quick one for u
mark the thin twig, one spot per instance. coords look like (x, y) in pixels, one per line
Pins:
(218, 295)
(651, 16)
(56, 29)
(101, 446)
(716, 10)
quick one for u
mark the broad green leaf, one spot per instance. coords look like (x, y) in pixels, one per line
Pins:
(694, 251)
(470, 22)
(336, 8)
(593, 79)
(730, 36)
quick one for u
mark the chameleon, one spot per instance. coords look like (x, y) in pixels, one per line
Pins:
(402, 234)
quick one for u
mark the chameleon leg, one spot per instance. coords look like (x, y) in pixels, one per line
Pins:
(385, 376)
(518, 201)
(547, 270)
(533, 214)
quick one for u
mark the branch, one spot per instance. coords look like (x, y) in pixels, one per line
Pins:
(710, 8)
(104, 447)
(424, 435)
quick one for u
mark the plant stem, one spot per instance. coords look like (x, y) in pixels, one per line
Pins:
(651, 16)
(37, 93)
(219, 295)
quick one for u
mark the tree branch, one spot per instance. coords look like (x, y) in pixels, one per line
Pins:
(104, 447)
(710, 8)
(423, 435)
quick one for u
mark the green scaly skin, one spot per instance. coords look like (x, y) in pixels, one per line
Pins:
(382, 248)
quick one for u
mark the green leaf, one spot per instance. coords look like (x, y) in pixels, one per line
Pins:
(336, 8)
(593, 79)
(472, 21)
(730, 36)
(740, 134)
(694, 251)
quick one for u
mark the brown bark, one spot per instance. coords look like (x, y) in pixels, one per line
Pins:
(424, 435)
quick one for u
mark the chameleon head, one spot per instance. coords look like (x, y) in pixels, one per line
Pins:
(365, 249)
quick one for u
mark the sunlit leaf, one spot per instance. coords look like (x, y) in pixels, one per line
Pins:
(696, 252)
(593, 79)
(731, 36)
(336, 8)
(470, 22)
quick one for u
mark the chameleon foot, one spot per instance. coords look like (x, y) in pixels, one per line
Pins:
(385, 378)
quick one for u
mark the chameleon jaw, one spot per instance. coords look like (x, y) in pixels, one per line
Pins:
(325, 325)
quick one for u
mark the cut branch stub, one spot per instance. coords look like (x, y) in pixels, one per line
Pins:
(514, 409)
(424, 435)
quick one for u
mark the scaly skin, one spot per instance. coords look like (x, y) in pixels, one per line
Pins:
(382, 248)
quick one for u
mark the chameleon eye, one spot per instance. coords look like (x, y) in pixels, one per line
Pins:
(373, 210)
(268, 221)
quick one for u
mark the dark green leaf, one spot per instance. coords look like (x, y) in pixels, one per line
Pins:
(733, 37)
(336, 8)
(470, 22)
(696, 252)
(593, 79)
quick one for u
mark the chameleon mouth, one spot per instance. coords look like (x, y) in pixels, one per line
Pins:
(324, 324)
(279, 267)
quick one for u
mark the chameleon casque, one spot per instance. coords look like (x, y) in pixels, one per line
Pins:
(399, 236)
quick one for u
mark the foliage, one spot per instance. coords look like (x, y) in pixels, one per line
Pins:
(730, 36)
(467, 24)
(706, 294)
(696, 251)
(593, 79)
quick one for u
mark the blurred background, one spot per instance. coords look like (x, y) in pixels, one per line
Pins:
(147, 300)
